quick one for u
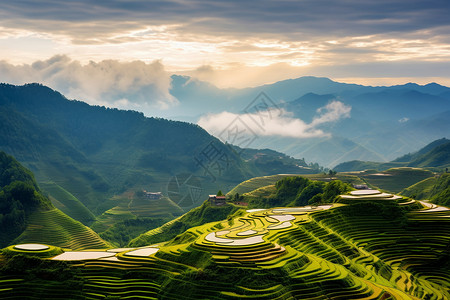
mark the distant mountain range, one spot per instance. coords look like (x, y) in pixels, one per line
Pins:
(83, 155)
(385, 122)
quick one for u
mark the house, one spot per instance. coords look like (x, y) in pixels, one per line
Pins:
(152, 195)
(217, 200)
(361, 186)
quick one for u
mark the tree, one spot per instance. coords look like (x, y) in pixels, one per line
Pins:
(237, 197)
(333, 189)
(219, 193)
(314, 188)
(315, 200)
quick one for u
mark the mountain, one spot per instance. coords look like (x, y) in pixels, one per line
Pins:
(439, 157)
(385, 121)
(412, 156)
(26, 216)
(329, 151)
(86, 157)
(190, 91)
(434, 155)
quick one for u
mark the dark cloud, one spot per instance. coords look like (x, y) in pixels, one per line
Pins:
(286, 18)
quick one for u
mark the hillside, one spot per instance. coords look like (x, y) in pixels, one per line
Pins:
(19, 198)
(259, 192)
(441, 191)
(91, 153)
(415, 155)
(370, 245)
(435, 189)
(26, 216)
(434, 155)
(67, 203)
(438, 157)
(395, 180)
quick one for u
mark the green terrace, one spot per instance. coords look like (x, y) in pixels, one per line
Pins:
(367, 245)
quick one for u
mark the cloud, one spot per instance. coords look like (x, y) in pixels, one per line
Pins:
(266, 17)
(331, 112)
(245, 42)
(273, 122)
(109, 82)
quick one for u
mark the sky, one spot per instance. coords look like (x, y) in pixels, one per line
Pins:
(122, 52)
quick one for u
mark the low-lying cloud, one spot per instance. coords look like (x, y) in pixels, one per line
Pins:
(331, 112)
(277, 122)
(127, 85)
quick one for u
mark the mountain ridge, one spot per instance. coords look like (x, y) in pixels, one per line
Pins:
(434, 155)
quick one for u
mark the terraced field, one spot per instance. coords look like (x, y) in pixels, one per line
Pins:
(396, 179)
(67, 203)
(259, 182)
(371, 245)
(133, 208)
(53, 227)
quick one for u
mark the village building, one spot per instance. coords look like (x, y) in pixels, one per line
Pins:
(361, 186)
(217, 200)
(152, 195)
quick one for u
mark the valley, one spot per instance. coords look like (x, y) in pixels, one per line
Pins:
(195, 149)
(116, 205)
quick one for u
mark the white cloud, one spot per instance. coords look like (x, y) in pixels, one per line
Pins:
(331, 112)
(274, 124)
(403, 120)
(109, 82)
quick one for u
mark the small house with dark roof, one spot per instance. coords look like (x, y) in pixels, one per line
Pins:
(152, 195)
(217, 200)
(361, 186)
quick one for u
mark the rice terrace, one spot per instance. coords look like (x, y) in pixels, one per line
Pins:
(351, 249)
(210, 150)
